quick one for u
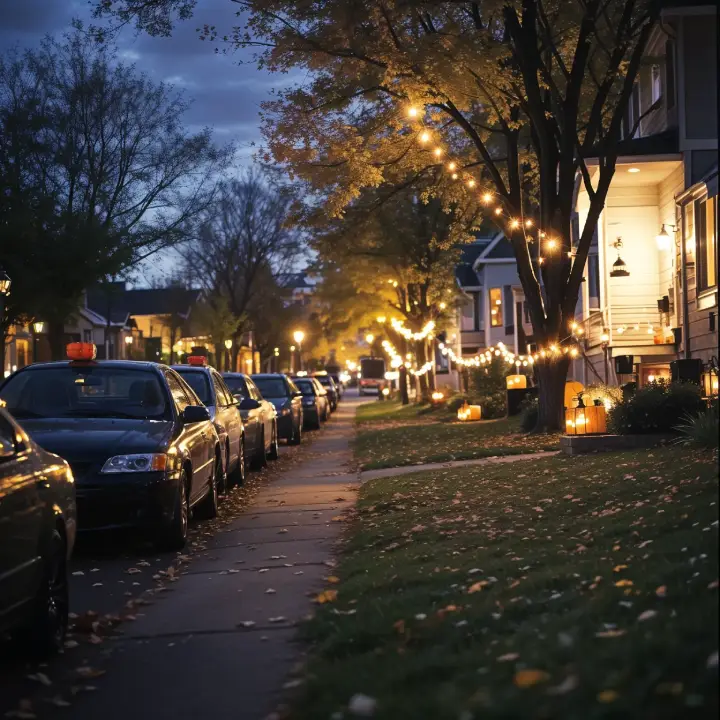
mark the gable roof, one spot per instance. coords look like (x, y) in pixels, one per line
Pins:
(121, 303)
(465, 275)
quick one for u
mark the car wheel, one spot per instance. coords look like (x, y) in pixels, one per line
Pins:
(208, 507)
(174, 535)
(50, 619)
(274, 453)
(260, 458)
(237, 477)
(296, 437)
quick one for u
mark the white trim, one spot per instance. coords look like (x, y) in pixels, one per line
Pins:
(498, 236)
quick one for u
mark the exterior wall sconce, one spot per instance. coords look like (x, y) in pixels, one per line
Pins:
(619, 266)
(663, 239)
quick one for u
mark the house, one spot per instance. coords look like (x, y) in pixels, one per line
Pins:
(660, 218)
(158, 315)
(298, 288)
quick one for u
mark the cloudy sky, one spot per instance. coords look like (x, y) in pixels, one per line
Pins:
(226, 89)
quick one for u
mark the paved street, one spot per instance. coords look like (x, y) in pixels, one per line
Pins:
(218, 642)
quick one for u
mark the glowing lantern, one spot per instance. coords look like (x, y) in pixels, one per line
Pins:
(516, 382)
(469, 412)
(581, 420)
(572, 389)
(437, 397)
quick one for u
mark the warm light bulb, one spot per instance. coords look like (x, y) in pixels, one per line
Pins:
(412, 112)
(424, 137)
(454, 176)
(437, 152)
(604, 338)
(574, 352)
(551, 244)
(528, 223)
(487, 197)
(541, 260)
(451, 166)
(498, 211)
(514, 224)
(471, 183)
(442, 305)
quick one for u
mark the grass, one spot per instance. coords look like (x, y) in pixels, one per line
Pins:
(388, 412)
(414, 442)
(570, 587)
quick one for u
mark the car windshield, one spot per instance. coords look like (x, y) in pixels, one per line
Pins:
(199, 382)
(323, 380)
(306, 387)
(93, 391)
(271, 387)
(237, 385)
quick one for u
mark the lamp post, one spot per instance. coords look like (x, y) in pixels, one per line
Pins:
(292, 359)
(128, 346)
(37, 327)
(605, 340)
(5, 283)
(228, 347)
(298, 337)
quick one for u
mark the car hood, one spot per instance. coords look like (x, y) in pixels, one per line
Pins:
(85, 440)
(279, 403)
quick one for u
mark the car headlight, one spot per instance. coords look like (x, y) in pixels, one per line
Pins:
(141, 462)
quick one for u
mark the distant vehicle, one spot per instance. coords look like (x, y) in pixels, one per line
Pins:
(335, 371)
(372, 375)
(37, 532)
(140, 443)
(286, 397)
(225, 414)
(316, 406)
(259, 416)
(329, 384)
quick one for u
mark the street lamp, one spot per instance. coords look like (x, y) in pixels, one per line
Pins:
(5, 283)
(369, 338)
(228, 346)
(128, 346)
(37, 327)
(298, 337)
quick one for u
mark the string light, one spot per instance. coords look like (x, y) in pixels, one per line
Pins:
(412, 112)
(424, 137)
(551, 244)
(438, 152)
(487, 197)
(452, 166)
(471, 183)
(514, 224)
(408, 334)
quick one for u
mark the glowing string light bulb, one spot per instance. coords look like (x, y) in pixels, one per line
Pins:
(514, 224)
(424, 137)
(437, 152)
(412, 112)
(452, 166)
(487, 197)
(471, 183)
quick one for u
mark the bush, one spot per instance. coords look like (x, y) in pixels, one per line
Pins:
(703, 430)
(488, 388)
(656, 408)
(529, 413)
(605, 393)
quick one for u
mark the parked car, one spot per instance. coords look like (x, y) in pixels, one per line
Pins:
(142, 448)
(338, 384)
(316, 406)
(285, 396)
(327, 382)
(37, 532)
(259, 417)
(225, 414)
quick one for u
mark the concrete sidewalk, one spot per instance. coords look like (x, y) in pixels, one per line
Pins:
(221, 643)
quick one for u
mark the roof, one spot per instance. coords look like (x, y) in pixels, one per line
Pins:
(501, 249)
(662, 143)
(469, 253)
(157, 301)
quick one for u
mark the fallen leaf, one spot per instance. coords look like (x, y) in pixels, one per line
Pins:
(477, 587)
(399, 626)
(610, 633)
(42, 678)
(333, 579)
(647, 615)
(607, 696)
(326, 596)
(529, 678)
(88, 672)
(569, 684)
(133, 571)
(58, 701)
(362, 705)
(624, 583)
(508, 657)
(246, 624)
(270, 591)
(661, 591)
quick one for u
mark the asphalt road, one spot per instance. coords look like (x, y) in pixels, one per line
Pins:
(198, 634)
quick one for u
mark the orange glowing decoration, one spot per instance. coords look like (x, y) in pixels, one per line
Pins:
(516, 382)
(581, 420)
(468, 413)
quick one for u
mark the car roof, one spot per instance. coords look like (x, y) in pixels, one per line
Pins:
(235, 374)
(132, 364)
(268, 375)
(202, 368)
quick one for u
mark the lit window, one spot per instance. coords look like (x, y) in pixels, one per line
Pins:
(656, 80)
(706, 242)
(496, 310)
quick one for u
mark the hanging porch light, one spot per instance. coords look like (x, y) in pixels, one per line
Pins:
(619, 268)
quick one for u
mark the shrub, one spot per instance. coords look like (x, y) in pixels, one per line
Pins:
(529, 413)
(656, 408)
(605, 393)
(488, 388)
(703, 430)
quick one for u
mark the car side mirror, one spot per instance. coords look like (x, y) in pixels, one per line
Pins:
(249, 404)
(195, 413)
(297, 393)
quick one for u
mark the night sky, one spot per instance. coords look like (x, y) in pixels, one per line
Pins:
(225, 92)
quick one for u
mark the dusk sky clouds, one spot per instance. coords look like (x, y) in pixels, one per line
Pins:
(225, 92)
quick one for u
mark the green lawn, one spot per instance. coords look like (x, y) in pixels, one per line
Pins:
(412, 443)
(388, 412)
(581, 587)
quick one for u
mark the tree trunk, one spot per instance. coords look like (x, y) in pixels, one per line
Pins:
(56, 338)
(403, 386)
(551, 376)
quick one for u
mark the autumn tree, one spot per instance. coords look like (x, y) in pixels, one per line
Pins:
(103, 175)
(521, 94)
(240, 243)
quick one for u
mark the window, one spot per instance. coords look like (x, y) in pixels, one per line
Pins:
(496, 310)
(467, 321)
(198, 381)
(706, 242)
(669, 74)
(221, 396)
(178, 392)
(87, 336)
(655, 83)
(594, 281)
(237, 385)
